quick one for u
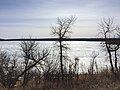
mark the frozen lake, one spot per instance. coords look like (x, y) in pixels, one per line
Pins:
(80, 49)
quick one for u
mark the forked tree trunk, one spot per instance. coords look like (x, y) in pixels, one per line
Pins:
(110, 58)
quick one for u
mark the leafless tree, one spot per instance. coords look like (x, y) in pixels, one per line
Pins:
(27, 49)
(9, 65)
(62, 30)
(32, 57)
(50, 68)
(8, 68)
(109, 30)
(93, 63)
(76, 66)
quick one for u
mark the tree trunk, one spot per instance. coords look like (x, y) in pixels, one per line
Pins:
(61, 60)
(110, 58)
(116, 61)
(111, 62)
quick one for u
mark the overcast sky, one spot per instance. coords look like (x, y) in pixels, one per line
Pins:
(24, 18)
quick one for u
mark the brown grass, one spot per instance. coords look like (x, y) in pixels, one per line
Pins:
(102, 81)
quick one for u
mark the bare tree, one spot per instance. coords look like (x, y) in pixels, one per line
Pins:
(62, 31)
(9, 65)
(109, 30)
(8, 68)
(93, 63)
(32, 56)
(50, 68)
(27, 49)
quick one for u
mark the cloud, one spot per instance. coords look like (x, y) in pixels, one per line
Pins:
(31, 14)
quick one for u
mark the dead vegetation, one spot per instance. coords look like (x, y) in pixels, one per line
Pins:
(103, 80)
(42, 69)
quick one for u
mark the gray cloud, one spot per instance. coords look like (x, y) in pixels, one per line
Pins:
(27, 15)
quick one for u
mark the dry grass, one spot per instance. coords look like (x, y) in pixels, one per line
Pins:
(101, 81)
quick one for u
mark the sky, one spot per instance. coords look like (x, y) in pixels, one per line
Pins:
(25, 18)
